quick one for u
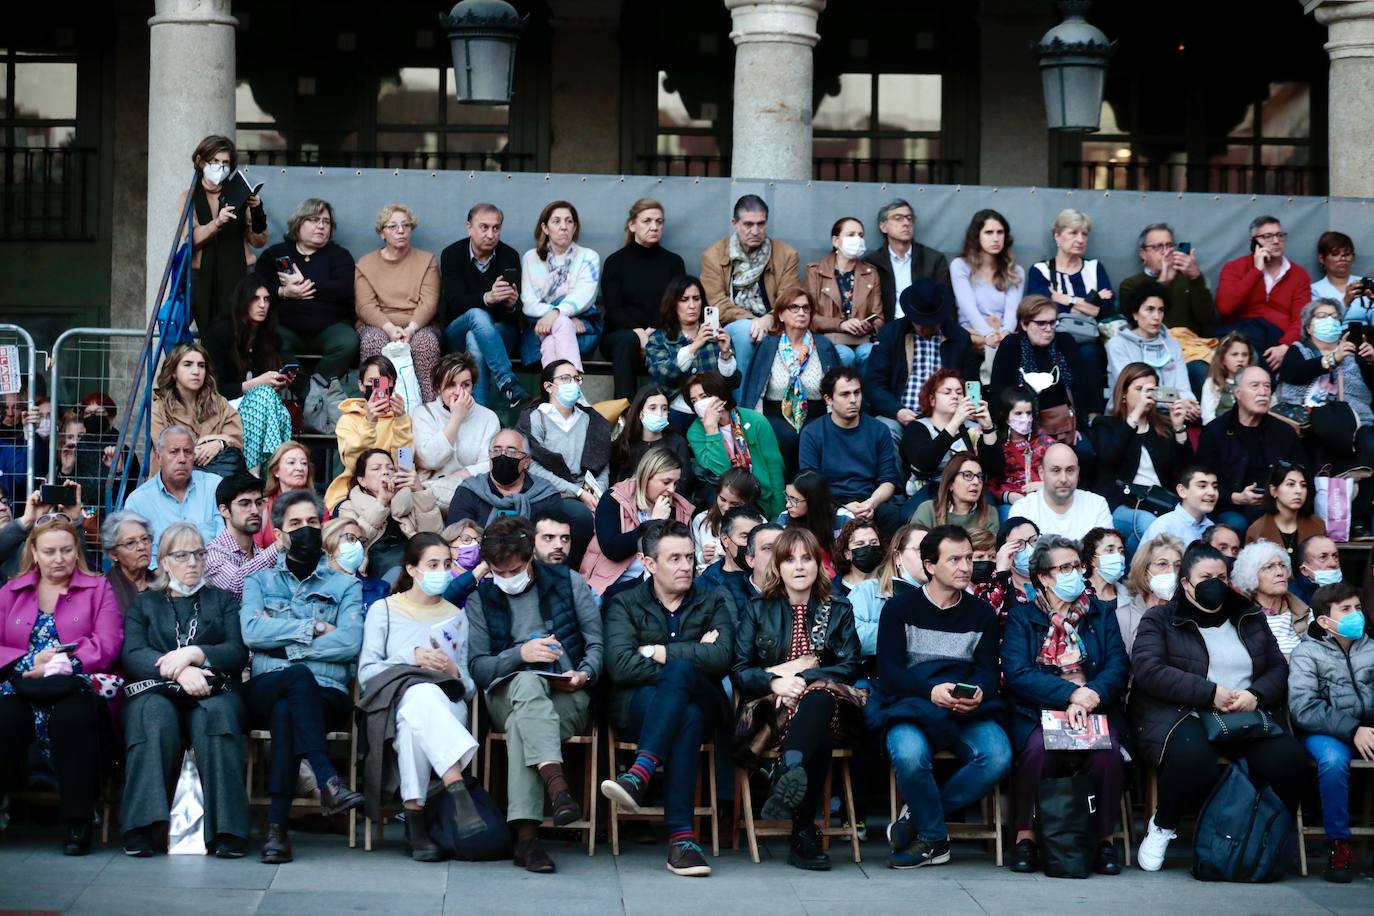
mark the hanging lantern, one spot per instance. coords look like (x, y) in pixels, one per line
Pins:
(482, 34)
(1073, 67)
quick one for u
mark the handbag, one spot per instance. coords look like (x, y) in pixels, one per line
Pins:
(322, 400)
(1295, 415)
(1222, 727)
(1064, 810)
(1155, 500)
(186, 822)
(1335, 503)
(1243, 833)
(174, 691)
(1080, 327)
(45, 691)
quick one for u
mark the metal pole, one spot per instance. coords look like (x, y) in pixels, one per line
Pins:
(28, 427)
(57, 365)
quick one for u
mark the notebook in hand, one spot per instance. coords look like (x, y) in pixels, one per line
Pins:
(1059, 735)
(237, 190)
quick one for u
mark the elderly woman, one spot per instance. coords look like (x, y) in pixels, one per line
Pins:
(54, 668)
(1262, 572)
(310, 277)
(453, 432)
(612, 560)
(342, 540)
(1152, 582)
(396, 292)
(1080, 286)
(184, 657)
(127, 539)
(464, 539)
(683, 345)
(784, 380)
(1331, 372)
(1064, 652)
(558, 283)
(632, 287)
(186, 395)
(390, 506)
(847, 293)
(222, 240)
(1209, 649)
(1036, 357)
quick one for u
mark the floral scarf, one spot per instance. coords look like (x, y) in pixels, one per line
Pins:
(735, 445)
(794, 401)
(1063, 647)
(746, 269)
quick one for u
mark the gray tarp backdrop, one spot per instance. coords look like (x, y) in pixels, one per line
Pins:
(802, 212)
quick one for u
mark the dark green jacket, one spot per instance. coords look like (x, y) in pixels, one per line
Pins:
(635, 618)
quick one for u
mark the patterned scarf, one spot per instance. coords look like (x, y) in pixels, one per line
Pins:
(745, 272)
(794, 402)
(1063, 647)
(735, 446)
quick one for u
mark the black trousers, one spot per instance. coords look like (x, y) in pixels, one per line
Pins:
(74, 731)
(809, 733)
(1189, 769)
(622, 348)
(298, 711)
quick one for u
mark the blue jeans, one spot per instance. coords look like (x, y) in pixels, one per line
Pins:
(986, 754)
(744, 347)
(1333, 757)
(670, 720)
(1132, 524)
(489, 342)
(855, 355)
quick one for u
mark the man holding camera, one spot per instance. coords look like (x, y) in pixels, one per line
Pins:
(1261, 294)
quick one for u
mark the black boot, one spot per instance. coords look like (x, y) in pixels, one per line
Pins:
(422, 848)
(806, 851)
(336, 798)
(78, 842)
(469, 822)
(788, 781)
(276, 849)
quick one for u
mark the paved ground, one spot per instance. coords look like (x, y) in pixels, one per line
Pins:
(328, 878)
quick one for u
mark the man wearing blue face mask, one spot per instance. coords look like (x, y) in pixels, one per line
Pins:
(1318, 563)
(233, 555)
(1331, 699)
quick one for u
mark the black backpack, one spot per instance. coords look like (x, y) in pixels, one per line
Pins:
(489, 845)
(1243, 833)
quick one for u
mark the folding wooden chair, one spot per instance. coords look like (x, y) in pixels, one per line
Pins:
(649, 813)
(991, 830)
(744, 802)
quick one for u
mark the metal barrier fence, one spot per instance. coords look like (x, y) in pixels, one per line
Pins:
(14, 407)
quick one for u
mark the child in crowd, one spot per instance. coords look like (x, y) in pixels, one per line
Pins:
(810, 506)
(737, 487)
(1198, 494)
(1023, 447)
(1233, 354)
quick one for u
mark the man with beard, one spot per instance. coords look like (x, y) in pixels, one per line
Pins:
(233, 555)
(552, 535)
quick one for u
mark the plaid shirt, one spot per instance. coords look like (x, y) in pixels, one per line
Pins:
(661, 357)
(923, 356)
(227, 564)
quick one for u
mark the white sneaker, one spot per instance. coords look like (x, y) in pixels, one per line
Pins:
(1153, 847)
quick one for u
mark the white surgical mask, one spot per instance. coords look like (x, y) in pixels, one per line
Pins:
(513, 585)
(215, 173)
(701, 407)
(45, 427)
(1039, 381)
(852, 246)
(1162, 585)
(182, 588)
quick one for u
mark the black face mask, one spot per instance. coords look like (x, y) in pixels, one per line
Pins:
(983, 570)
(96, 424)
(866, 558)
(505, 470)
(305, 547)
(1210, 594)
(742, 557)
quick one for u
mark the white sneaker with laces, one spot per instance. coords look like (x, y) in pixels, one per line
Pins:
(1154, 846)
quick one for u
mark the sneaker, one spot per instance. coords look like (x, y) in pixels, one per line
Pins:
(1153, 846)
(806, 850)
(138, 843)
(515, 393)
(627, 791)
(900, 833)
(685, 858)
(789, 788)
(920, 853)
(1339, 864)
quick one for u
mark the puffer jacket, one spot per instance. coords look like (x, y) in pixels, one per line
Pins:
(1170, 662)
(1330, 690)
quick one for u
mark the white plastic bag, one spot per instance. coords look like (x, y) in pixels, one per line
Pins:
(186, 831)
(407, 385)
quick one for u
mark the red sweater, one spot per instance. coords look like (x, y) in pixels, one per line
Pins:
(1240, 295)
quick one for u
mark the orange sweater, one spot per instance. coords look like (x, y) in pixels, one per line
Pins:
(397, 291)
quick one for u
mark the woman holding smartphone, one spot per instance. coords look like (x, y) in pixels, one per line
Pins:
(378, 419)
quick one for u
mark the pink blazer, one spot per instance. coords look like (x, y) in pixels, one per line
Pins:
(87, 615)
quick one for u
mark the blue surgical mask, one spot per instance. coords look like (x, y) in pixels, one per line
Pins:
(568, 394)
(1351, 626)
(1157, 357)
(1111, 566)
(1021, 562)
(1327, 577)
(1069, 585)
(350, 556)
(656, 424)
(1327, 329)
(434, 582)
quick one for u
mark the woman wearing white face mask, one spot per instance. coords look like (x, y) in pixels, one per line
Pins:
(222, 239)
(183, 646)
(848, 296)
(1151, 582)
(1035, 356)
(413, 669)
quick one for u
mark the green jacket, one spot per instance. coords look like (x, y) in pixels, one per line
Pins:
(763, 451)
(635, 618)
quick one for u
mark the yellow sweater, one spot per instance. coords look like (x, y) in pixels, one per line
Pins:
(356, 435)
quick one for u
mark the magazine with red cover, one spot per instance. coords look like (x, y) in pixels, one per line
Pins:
(1061, 736)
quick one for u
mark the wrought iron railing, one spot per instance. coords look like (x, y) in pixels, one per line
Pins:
(49, 193)
(503, 161)
(1210, 178)
(823, 168)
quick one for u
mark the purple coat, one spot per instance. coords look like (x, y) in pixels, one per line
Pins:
(87, 615)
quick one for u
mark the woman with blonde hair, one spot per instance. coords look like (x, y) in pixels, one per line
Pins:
(1150, 583)
(396, 289)
(611, 560)
(185, 394)
(289, 468)
(632, 285)
(558, 284)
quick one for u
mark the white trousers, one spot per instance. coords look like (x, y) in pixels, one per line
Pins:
(431, 735)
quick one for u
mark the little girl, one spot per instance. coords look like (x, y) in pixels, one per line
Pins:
(1023, 445)
(1233, 354)
(738, 487)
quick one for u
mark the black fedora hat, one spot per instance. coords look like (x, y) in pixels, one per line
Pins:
(926, 302)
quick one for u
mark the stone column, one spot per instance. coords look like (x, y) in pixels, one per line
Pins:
(190, 94)
(1350, 45)
(585, 62)
(1014, 147)
(773, 86)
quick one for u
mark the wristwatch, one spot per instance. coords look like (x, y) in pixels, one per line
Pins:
(646, 651)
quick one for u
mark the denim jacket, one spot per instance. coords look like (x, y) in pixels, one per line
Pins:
(279, 613)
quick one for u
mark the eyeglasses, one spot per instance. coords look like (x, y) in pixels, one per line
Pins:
(319, 220)
(1270, 236)
(800, 308)
(135, 543)
(1028, 542)
(398, 227)
(1043, 323)
(348, 537)
(901, 218)
(1064, 569)
(795, 500)
(972, 476)
(182, 556)
(509, 451)
(467, 540)
(1159, 246)
(568, 379)
(54, 517)
(1164, 563)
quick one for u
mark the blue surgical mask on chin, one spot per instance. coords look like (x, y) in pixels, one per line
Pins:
(655, 424)
(1327, 577)
(434, 582)
(1327, 329)
(1069, 585)
(568, 394)
(1021, 562)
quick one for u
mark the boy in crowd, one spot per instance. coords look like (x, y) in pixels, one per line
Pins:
(1197, 494)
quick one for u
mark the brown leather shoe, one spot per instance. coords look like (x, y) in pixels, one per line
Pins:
(336, 798)
(530, 856)
(565, 809)
(276, 849)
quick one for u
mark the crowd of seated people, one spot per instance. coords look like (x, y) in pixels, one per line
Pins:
(885, 502)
